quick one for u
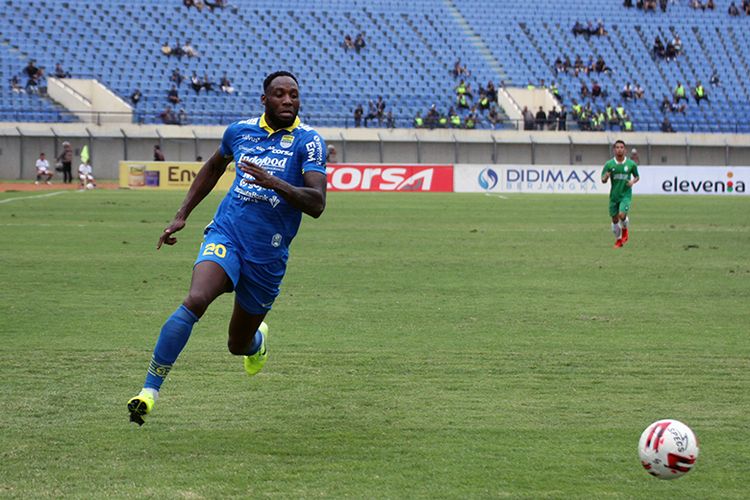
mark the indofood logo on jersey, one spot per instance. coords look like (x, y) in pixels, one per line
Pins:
(549, 179)
(729, 184)
(487, 179)
(266, 161)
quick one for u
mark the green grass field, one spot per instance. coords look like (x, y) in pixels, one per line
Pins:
(423, 346)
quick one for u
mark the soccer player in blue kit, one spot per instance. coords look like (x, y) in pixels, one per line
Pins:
(281, 174)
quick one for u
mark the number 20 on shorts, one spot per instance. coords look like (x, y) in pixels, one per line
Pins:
(218, 250)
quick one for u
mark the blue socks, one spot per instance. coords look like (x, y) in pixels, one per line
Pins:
(172, 339)
(255, 346)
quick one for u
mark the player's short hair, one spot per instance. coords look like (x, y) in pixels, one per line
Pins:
(274, 75)
(619, 141)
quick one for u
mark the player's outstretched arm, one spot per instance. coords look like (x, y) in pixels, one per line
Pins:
(311, 198)
(204, 182)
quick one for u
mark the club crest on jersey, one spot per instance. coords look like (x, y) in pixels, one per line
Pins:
(286, 141)
(626, 168)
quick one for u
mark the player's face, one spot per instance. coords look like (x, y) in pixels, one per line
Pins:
(281, 101)
(619, 150)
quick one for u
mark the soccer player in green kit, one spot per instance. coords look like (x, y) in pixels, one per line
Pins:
(624, 174)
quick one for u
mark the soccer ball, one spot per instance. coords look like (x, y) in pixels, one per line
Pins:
(668, 449)
(90, 185)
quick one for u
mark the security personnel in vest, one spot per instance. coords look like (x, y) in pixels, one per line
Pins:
(470, 121)
(418, 120)
(463, 101)
(679, 92)
(699, 93)
(455, 119)
(627, 124)
(443, 121)
(484, 102)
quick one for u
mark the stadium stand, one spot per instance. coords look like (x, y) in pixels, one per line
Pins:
(411, 48)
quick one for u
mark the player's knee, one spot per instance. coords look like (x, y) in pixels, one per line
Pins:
(198, 302)
(622, 216)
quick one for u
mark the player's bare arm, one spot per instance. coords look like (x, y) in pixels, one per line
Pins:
(311, 199)
(204, 182)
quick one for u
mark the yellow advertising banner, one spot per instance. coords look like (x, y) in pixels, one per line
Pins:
(167, 175)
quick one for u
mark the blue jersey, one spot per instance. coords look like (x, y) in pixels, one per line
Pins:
(259, 221)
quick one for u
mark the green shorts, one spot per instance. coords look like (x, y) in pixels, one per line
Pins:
(619, 206)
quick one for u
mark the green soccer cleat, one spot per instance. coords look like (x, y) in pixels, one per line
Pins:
(254, 363)
(139, 406)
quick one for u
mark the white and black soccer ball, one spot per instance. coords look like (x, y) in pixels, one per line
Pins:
(668, 449)
(90, 185)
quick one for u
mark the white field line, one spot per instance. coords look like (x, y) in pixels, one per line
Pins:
(46, 195)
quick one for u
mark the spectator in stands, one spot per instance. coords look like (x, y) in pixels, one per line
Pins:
(493, 117)
(600, 66)
(207, 83)
(65, 160)
(177, 50)
(195, 83)
(491, 92)
(173, 96)
(32, 85)
(600, 30)
(733, 10)
(627, 92)
(359, 42)
(182, 117)
(714, 81)
(216, 4)
(189, 50)
(168, 117)
(358, 112)
(348, 43)
(649, 5)
(60, 72)
(198, 4)
(460, 69)
(433, 115)
(226, 85)
(528, 119)
(390, 121)
(540, 119)
(177, 77)
(596, 90)
(41, 78)
(663, 5)
(578, 29)
(638, 91)
(585, 92)
(42, 170)
(666, 104)
(562, 119)
(31, 70)
(15, 85)
(135, 97)
(666, 125)
(699, 93)
(471, 121)
(746, 7)
(552, 119)
(679, 93)
(372, 112)
(166, 49)
(380, 107)
(658, 48)
(628, 4)
(710, 5)
(158, 155)
(484, 102)
(697, 4)
(443, 121)
(670, 54)
(677, 44)
(578, 65)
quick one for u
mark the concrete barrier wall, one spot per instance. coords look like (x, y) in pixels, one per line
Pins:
(21, 143)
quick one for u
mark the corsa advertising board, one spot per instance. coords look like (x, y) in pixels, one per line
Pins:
(685, 180)
(419, 178)
(167, 175)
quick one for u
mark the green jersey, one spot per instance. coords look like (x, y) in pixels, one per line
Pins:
(619, 175)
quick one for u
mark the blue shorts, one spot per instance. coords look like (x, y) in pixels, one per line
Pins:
(255, 285)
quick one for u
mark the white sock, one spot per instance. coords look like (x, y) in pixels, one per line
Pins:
(624, 223)
(616, 230)
(153, 392)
